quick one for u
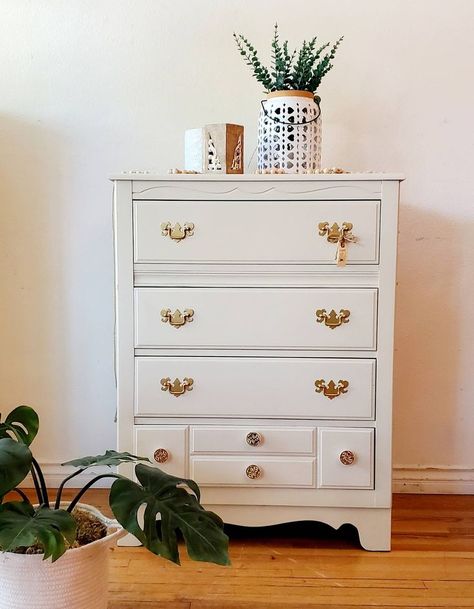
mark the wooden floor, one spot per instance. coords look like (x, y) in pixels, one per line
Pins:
(307, 565)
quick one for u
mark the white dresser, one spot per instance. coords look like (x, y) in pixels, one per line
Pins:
(246, 357)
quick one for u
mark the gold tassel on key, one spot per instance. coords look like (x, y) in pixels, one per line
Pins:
(341, 253)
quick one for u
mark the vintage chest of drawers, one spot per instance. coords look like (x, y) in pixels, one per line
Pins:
(250, 360)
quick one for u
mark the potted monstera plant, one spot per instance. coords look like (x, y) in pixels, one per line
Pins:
(289, 128)
(55, 553)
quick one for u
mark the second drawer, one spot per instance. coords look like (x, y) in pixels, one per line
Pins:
(256, 318)
(314, 388)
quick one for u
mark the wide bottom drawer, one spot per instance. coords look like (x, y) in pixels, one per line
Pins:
(344, 455)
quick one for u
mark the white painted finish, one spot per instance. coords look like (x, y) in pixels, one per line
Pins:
(255, 387)
(294, 472)
(254, 350)
(332, 473)
(254, 231)
(233, 439)
(172, 438)
(256, 318)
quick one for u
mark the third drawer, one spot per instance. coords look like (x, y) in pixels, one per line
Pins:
(316, 388)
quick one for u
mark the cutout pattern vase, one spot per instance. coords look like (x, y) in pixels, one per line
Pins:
(289, 132)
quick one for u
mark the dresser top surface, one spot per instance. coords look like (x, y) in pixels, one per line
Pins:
(137, 175)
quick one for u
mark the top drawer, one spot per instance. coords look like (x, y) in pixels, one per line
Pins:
(252, 231)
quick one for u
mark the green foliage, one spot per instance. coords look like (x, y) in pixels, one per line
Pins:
(161, 494)
(300, 71)
(23, 525)
(22, 423)
(15, 464)
(110, 458)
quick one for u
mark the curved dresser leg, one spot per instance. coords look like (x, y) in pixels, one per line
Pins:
(375, 531)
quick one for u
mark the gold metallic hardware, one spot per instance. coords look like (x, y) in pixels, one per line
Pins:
(340, 235)
(347, 457)
(332, 319)
(177, 232)
(331, 390)
(253, 472)
(177, 319)
(177, 387)
(161, 455)
(335, 233)
(254, 438)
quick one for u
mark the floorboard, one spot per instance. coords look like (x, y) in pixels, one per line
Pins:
(311, 566)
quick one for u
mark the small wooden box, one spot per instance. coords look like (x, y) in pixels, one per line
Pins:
(215, 148)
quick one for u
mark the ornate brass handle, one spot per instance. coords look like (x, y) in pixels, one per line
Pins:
(177, 387)
(347, 457)
(177, 319)
(332, 319)
(254, 438)
(253, 472)
(177, 232)
(340, 235)
(161, 455)
(331, 390)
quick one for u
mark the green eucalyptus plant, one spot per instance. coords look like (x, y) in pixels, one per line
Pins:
(53, 527)
(300, 70)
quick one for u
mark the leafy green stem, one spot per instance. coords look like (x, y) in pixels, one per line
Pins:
(22, 494)
(84, 490)
(44, 490)
(63, 484)
(37, 486)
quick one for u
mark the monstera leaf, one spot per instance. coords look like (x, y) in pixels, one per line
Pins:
(111, 458)
(164, 495)
(15, 463)
(21, 525)
(23, 423)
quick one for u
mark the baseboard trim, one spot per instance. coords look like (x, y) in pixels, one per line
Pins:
(433, 480)
(420, 480)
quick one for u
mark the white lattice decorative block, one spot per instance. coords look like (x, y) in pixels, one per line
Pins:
(289, 133)
(215, 148)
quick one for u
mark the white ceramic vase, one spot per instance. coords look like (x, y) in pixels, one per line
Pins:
(78, 580)
(289, 132)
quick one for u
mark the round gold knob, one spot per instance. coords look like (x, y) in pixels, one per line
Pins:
(254, 438)
(161, 455)
(347, 457)
(253, 472)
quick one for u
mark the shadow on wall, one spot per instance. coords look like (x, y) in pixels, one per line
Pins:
(428, 327)
(33, 356)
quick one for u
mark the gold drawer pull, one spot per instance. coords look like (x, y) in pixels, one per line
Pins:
(177, 319)
(161, 455)
(253, 472)
(177, 387)
(331, 390)
(177, 232)
(332, 319)
(254, 438)
(347, 457)
(340, 235)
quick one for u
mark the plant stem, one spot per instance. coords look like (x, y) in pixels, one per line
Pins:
(22, 494)
(44, 490)
(63, 484)
(37, 486)
(82, 492)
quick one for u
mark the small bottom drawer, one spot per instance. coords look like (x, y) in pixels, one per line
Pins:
(164, 445)
(267, 472)
(345, 458)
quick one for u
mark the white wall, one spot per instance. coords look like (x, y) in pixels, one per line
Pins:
(95, 86)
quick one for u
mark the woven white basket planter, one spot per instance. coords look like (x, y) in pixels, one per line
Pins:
(289, 132)
(78, 580)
